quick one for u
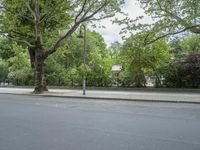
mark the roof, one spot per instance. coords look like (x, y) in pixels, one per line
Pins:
(116, 67)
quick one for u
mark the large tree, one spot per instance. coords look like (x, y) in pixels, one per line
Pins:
(140, 60)
(169, 17)
(44, 25)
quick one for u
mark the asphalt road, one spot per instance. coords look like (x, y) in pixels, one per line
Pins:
(39, 123)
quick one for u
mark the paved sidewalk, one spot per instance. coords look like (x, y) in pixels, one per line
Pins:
(153, 96)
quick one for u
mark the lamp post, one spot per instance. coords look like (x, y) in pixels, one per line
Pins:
(82, 34)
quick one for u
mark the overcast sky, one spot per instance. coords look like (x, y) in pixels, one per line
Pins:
(111, 32)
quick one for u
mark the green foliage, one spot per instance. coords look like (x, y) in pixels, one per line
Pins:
(6, 49)
(143, 54)
(140, 60)
(44, 26)
(25, 20)
(176, 47)
(14, 64)
(99, 61)
(115, 50)
(19, 69)
(134, 60)
(57, 73)
(169, 17)
(3, 70)
(190, 44)
(183, 71)
(66, 66)
(18, 21)
(159, 55)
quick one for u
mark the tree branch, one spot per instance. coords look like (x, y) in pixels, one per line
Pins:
(95, 12)
(30, 9)
(21, 41)
(179, 19)
(101, 18)
(60, 41)
(165, 35)
(21, 34)
(82, 9)
(25, 17)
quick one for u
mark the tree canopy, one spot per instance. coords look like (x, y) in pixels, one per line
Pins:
(169, 17)
(44, 26)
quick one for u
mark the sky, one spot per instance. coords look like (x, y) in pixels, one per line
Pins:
(111, 32)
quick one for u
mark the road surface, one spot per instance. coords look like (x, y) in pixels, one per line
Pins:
(41, 123)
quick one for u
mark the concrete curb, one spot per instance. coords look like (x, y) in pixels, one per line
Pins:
(106, 98)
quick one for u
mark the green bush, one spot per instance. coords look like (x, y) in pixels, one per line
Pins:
(184, 72)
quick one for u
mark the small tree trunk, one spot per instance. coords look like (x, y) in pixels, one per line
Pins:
(44, 83)
(158, 82)
(40, 84)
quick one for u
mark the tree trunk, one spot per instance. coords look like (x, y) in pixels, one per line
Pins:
(158, 81)
(40, 84)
